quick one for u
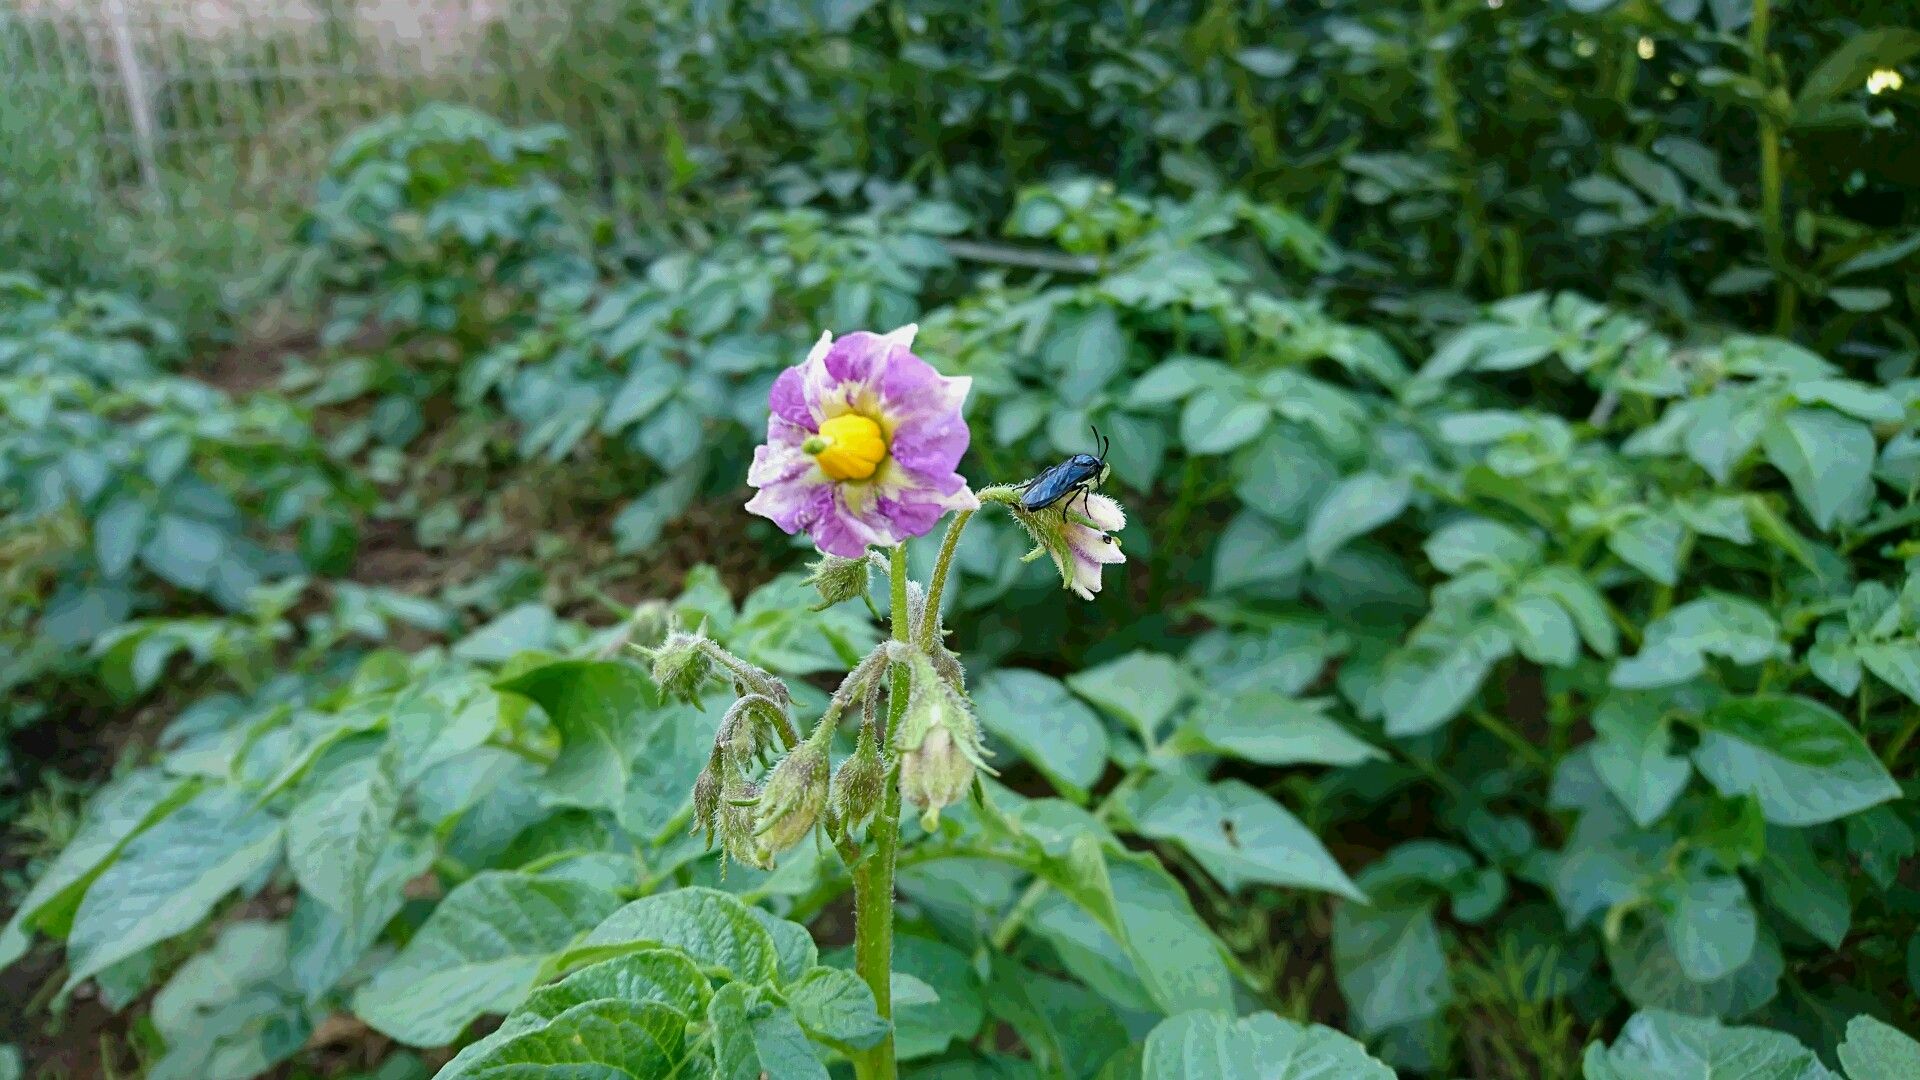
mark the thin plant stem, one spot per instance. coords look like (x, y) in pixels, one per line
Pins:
(873, 878)
(1772, 214)
(937, 585)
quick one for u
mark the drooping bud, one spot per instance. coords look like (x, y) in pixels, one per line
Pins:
(934, 775)
(939, 742)
(795, 794)
(860, 783)
(681, 666)
(838, 579)
(746, 729)
(739, 802)
(706, 797)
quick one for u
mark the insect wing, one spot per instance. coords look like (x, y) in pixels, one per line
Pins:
(1050, 486)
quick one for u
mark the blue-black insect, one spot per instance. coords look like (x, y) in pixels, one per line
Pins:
(1078, 475)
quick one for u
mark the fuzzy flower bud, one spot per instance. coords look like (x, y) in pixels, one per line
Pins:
(1079, 540)
(738, 803)
(838, 579)
(939, 743)
(934, 775)
(650, 623)
(681, 666)
(860, 783)
(706, 798)
(746, 730)
(795, 794)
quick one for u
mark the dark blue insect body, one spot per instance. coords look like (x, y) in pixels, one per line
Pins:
(1078, 475)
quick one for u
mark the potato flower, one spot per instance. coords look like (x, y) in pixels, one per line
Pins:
(862, 443)
(1090, 543)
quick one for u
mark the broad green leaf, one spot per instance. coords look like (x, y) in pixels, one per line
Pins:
(1657, 1045)
(1724, 428)
(1711, 926)
(713, 927)
(1067, 1029)
(791, 944)
(1648, 972)
(1872, 404)
(168, 878)
(1828, 458)
(1089, 952)
(479, 952)
(1141, 688)
(1259, 1047)
(1802, 760)
(606, 1040)
(1583, 602)
(335, 838)
(118, 533)
(229, 1013)
(756, 1040)
(1874, 1050)
(1254, 554)
(1175, 957)
(1880, 840)
(1273, 728)
(657, 976)
(1086, 349)
(1240, 834)
(1632, 756)
(1897, 663)
(186, 551)
(325, 946)
(835, 1004)
(1423, 687)
(118, 813)
(1047, 725)
(1216, 421)
(1805, 889)
(1542, 630)
(528, 626)
(1174, 378)
(1651, 544)
(1833, 661)
(1677, 644)
(1355, 507)
(1390, 964)
(1471, 542)
(1282, 475)
(601, 709)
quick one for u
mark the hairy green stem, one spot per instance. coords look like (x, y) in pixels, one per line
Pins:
(937, 585)
(873, 878)
(760, 682)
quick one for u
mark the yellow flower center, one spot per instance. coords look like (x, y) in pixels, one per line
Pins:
(849, 447)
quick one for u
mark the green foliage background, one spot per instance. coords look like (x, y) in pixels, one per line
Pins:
(1514, 405)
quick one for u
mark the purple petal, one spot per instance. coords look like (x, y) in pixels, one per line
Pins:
(862, 356)
(929, 433)
(839, 531)
(788, 400)
(790, 504)
(781, 460)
